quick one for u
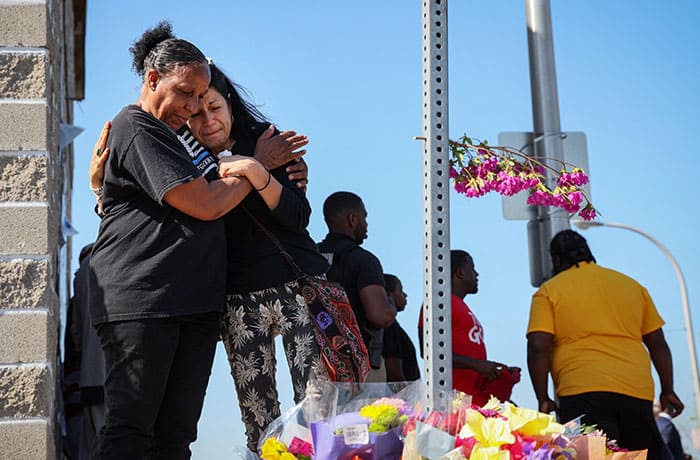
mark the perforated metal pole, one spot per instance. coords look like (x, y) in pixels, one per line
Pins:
(437, 344)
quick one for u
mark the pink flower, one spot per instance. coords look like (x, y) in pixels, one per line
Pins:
(509, 172)
(576, 178)
(539, 198)
(300, 447)
(488, 413)
(509, 185)
(490, 164)
(530, 181)
(588, 213)
(575, 198)
(558, 200)
(398, 403)
(473, 192)
(467, 444)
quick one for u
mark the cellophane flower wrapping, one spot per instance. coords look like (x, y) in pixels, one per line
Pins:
(432, 435)
(495, 431)
(330, 407)
(388, 422)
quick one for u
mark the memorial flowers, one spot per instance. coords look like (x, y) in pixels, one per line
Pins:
(298, 449)
(477, 169)
(390, 428)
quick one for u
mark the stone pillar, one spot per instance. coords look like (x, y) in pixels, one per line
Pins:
(36, 82)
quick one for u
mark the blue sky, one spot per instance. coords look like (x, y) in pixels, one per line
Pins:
(347, 74)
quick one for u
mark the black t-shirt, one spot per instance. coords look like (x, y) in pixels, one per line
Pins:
(206, 163)
(253, 262)
(151, 260)
(353, 268)
(397, 344)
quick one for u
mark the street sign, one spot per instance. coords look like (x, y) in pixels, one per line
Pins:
(575, 152)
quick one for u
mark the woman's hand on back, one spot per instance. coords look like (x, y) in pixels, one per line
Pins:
(299, 172)
(100, 153)
(273, 151)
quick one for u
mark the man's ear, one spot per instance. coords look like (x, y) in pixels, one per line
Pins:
(351, 219)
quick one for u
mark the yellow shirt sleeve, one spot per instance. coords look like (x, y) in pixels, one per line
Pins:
(541, 313)
(651, 320)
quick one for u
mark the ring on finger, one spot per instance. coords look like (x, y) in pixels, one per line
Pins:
(99, 151)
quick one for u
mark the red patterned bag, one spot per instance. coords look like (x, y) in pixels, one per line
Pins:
(338, 335)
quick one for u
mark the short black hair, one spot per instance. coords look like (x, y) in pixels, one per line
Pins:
(458, 258)
(338, 204)
(390, 282)
(159, 49)
(571, 248)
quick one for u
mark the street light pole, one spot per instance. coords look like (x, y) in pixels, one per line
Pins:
(584, 225)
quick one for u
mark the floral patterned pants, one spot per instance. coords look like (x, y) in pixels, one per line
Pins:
(248, 329)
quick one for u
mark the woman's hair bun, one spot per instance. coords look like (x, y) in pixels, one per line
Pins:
(150, 39)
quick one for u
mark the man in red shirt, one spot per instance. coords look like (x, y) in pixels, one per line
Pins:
(472, 373)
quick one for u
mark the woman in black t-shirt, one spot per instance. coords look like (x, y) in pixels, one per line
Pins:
(157, 270)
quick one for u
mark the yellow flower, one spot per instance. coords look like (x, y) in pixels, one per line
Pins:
(530, 422)
(272, 449)
(381, 416)
(489, 453)
(488, 432)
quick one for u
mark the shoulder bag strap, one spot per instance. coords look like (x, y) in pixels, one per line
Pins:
(277, 243)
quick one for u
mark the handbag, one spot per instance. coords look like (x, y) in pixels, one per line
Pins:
(338, 335)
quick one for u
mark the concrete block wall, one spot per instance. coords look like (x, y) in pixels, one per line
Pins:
(35, 187)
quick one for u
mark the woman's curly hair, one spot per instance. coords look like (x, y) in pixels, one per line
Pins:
(159, 49)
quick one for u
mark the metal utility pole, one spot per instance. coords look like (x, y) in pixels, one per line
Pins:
(437, 327)
(547, 221)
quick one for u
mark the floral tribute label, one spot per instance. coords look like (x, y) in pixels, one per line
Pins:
(356, 434)
(479, 169)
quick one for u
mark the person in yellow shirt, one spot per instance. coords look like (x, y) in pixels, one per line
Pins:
(595, 329)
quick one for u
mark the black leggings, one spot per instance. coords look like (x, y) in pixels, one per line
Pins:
(630, 421)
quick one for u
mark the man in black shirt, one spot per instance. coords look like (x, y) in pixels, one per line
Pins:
(358, 271)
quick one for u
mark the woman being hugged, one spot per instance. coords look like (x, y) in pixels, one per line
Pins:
(157, 269)
(263, 298)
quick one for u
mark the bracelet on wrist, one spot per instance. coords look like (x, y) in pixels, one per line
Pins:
(99, 191)
(269, 178)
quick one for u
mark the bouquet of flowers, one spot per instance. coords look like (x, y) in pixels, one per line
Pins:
(498, 431)
(592, 444)
(298, 449)
(373, 433)
(338, 420)
(477, 169)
